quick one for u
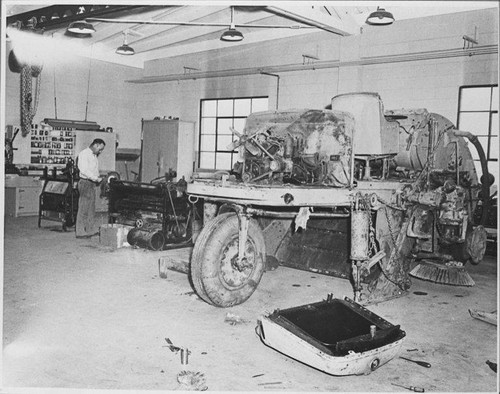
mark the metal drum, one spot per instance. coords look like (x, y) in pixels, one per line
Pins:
(150, 239)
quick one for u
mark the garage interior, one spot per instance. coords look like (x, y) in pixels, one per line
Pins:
(175, 91)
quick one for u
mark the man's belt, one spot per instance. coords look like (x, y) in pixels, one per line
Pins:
(87, 179)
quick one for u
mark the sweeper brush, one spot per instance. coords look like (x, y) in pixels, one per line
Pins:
(450, 273)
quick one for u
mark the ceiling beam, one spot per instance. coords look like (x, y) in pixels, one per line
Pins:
(312, 16)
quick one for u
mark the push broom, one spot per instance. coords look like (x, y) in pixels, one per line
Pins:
(448, 273)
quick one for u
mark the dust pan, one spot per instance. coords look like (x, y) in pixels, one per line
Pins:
(450, 273)
(339, 337)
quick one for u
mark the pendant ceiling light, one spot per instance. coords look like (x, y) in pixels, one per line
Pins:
(380, 17)
(125, 49)
(81, 28)
(232, 34)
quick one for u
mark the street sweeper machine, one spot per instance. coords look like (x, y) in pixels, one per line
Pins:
(373, 196)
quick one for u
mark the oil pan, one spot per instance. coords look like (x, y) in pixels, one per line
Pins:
(339, 337)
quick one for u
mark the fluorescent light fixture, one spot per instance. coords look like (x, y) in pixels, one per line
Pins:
(380, 17)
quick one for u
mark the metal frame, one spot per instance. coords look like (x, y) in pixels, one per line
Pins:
(221, 117)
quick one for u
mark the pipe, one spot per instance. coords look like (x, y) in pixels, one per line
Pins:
(150, 239)
(277, 85)
(292, 215)
(419, 56)
(485, 190)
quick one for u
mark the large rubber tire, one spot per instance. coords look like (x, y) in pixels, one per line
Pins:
(195, 269)
(213, 273)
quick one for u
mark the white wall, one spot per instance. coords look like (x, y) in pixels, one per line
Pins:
(111, 101)
(431, 84)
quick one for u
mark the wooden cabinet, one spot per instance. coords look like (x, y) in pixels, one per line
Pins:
(167, 144)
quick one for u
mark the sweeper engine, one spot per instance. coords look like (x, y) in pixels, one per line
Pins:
(160, 213)
(294, 147)
(355, 192)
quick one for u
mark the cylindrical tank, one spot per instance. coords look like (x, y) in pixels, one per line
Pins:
(149, 239)
(359, 235)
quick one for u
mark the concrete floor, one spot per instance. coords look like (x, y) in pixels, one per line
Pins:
(80, 315)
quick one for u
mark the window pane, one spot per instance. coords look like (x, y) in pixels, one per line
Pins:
(260, 104)
(476, 122)
(242, 107)
(224, 126)
(239, 124)
(208, 125)
(207, 142)
(493, 148)
(474, 99)
(223, 141)
(494, 98)
(207, 160)
(209, 108)
(225, 108)
(494, 124)
(223, 161)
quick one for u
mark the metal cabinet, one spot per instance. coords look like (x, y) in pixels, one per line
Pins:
(22, 200)
(167, 145)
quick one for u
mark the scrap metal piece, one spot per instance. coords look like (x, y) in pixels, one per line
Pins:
(334, 336)
(488, 317)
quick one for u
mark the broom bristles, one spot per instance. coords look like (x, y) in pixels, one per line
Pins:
(444, 274)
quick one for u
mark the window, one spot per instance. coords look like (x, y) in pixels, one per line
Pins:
(478, 113)
(217, 117)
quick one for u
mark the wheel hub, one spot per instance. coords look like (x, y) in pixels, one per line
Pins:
(235, 273)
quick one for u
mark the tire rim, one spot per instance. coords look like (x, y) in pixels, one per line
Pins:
(231, 277)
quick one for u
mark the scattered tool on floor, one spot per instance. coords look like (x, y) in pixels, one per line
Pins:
(492, 365)
(171, 346)
(265, 384)
(233, 319)
(488, 317)
(412, 388)
(421, 363)
(450, 273)
(256, 376)
(184, 355)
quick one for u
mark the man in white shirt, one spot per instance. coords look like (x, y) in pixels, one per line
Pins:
(88, 165)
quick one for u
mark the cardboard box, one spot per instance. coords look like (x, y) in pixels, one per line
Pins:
(114, 235)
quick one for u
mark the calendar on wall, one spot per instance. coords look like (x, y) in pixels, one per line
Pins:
(51, 145)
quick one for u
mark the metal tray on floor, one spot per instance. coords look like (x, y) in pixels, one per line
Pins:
(339, 337)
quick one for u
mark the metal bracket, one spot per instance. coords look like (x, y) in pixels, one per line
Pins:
(243, 220)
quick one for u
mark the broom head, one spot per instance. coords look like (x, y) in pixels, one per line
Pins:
(449, 273)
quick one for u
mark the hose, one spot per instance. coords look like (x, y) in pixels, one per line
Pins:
(485, 185)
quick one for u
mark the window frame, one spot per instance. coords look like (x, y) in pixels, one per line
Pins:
(216, 131)
(491, 113)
